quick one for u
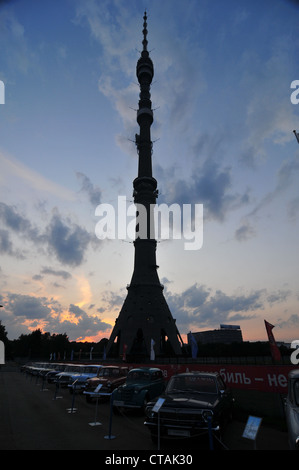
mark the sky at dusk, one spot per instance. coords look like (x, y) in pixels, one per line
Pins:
(222, 137)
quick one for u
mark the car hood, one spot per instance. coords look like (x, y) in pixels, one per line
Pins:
(200, 400)
(135, 385)
(100, 380)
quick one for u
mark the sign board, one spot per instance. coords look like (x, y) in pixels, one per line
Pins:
(158, 404)
(252, 427)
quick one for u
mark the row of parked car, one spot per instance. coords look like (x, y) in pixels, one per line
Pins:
(190, 403)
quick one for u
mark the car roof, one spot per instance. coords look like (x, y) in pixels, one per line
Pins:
(114, 367)
(146, 369)
(192, 373)
(294, 374)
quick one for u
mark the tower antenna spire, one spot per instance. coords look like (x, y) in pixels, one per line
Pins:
(145, 41)
(145, 317)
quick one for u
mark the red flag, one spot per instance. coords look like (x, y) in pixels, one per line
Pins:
(273, 346)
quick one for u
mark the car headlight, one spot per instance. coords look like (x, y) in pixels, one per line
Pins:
(206, 414)
(149, 412)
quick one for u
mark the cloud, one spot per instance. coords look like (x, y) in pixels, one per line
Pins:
(13, 170)
(84, 324)
(16, 222)
(286, 176)
(209, 185)
(14, 40)
(6, 246)
(19, 226)
(278, 296)
(292, 321)
(28, 306)
(65, 239)
(198, 307)
(61, 273)
(94, 193)
(68, 241)
(112, 299)
(244, 232)
(27, 311)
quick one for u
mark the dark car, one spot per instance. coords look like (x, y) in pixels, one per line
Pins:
(193, 402)
(57, 369)
(109, 377)
(142, 385)
(292, 409)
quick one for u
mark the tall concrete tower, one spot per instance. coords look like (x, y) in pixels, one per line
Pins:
(145, 323)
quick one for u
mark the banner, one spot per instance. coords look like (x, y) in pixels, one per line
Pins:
(193, 343)
(152, 358)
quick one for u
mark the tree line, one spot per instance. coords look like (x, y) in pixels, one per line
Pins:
(46, 346)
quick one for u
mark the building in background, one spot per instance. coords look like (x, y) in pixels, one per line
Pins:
(226, 334)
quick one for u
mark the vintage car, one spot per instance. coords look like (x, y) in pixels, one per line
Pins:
(78, 382)
(66, 377)
(76, 375)
(109, 377)
(194, 402)
(57, 369)
(292, 409)
(142, 384)
(36, 368)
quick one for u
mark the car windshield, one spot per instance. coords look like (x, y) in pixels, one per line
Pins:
(138, 376)
(106, 372)
(195, 384)
(90, 370)
(73, 369)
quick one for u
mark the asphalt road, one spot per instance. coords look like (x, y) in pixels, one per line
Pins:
(34, 417)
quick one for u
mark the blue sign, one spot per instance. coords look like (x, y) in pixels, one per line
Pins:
(252, 427)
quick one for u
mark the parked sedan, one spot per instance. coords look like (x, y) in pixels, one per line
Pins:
(109, 377)
(142, 384)
(292, 409)
(78, 382)
(68, 376)
(57, 370)
(194, 402)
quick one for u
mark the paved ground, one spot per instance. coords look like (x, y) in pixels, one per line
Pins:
(33, 417)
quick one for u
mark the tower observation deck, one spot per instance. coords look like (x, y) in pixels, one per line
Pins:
(145, 320)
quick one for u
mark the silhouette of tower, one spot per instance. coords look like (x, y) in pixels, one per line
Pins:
(145, 319)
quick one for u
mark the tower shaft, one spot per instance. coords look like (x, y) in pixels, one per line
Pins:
(145, 318)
